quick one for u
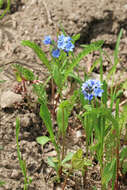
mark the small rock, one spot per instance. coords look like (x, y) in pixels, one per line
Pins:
(9, 98)
(25, 121)
(78, 133)
(15, 174)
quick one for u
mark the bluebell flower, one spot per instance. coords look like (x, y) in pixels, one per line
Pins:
(92, 88)
(69, 46)
(56, 53)
(64, 43)
(61, 42)
(47, 40)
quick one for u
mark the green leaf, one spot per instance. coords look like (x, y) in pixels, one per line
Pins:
(77, 160)
(67, 158)
(42, 140)
(18, 77)
(87, 162)
(57, 76)
(96, 62)
(41, 55)
(23, 73)
(62, 116)
(105, 95)
(40, 91)
(87, 49)
(21, 162)
(109, 172)
(77, 79)
(64, 111)
(76, 37)
(94, 46)
(45, 115)
(105, 112)
(17, 136)
(52, 162)
(7, 8)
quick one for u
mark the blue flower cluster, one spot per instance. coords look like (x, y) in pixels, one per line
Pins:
(63, 43)
(92, 88)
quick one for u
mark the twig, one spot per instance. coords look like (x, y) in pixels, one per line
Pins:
(49, 20)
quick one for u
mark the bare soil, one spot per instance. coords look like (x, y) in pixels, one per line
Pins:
(32, 20)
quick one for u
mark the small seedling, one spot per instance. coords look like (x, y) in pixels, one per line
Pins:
(22, 163)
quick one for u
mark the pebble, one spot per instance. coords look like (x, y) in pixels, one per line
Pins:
(9, 98)
(15, 174)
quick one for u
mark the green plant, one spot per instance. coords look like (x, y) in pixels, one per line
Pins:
(7, 8)
(103, 123)
(22, 163)
(103, 129)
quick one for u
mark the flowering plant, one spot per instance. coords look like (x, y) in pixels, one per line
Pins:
(97, 119)
(92, 88)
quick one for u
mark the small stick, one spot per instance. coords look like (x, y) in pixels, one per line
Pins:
(49, 20)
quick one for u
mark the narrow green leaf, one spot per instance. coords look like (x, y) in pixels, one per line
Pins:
(76, 37)
(40, 91)
(57, 76)
(94, 46)
(108, 172)
(17, 136)
(62, 116)
(64, 111)
(45, 115)
(87, 49)
(96, 62)
(7, 8)
(41, 55)
(105, 95)
(76, 78)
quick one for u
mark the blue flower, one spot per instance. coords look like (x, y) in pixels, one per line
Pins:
(69, 46)
(64, 43)
(61, 42)
(47, 40)
(56, 53)
(92, 88)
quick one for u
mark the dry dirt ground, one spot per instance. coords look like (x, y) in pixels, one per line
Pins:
(32, 20)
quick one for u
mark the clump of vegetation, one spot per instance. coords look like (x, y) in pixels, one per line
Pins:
(103, 123)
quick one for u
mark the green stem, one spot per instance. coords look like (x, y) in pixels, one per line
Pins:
(63, 136)
(7, 9)
(117, 168)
